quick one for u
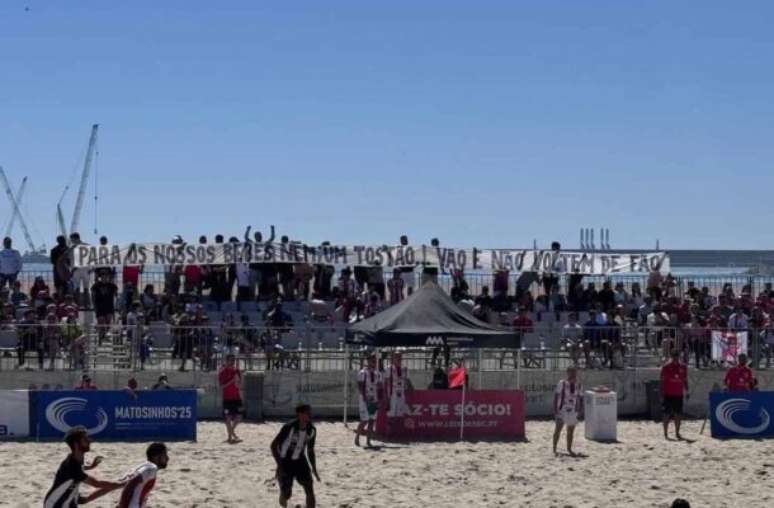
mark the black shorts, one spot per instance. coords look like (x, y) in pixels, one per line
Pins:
(294, 470)
(232, 407)
(672, 406)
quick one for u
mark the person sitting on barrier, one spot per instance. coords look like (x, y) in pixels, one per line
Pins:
(86, 383)
(142, 479)
(568, 401)
(162, 383)
(739, 378)
(295, 438)
(71, 473)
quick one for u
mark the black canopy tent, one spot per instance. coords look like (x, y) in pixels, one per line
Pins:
(429, 317)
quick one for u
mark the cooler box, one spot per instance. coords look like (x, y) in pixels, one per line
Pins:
(601, 409)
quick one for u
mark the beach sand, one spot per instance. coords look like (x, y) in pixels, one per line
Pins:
(640, 470)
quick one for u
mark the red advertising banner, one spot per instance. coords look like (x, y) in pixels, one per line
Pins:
(437, 414)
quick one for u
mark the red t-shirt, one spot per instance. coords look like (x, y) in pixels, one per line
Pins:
(522, 324)
(739, 379)
(673, 377)
(132, 274)
(226, 374)
(193, 273)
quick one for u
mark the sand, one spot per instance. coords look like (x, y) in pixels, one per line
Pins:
(641, 470)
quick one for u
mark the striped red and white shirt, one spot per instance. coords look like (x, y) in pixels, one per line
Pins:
(141, 491)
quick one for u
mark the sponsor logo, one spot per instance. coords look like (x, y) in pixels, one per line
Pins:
(727, 409)
(57, 414)
(435, 340)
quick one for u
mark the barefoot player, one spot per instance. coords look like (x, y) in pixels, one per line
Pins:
(64, 492)
(369, 382)
(567, 405)
(674, 386)
(292, 464)
(230, 378)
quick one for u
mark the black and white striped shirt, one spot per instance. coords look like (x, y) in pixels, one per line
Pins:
(64, 492)
(293, 441)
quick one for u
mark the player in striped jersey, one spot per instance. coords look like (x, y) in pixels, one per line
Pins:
(142, 479)
(288, 449)
(64, 492)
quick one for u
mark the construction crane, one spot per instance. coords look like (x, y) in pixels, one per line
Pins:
(19, 196)
(16, 211)
(60, 219)
(84, 180)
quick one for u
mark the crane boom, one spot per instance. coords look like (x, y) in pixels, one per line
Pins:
(84, 179)
(60, 220)
(16, 211)
(19, 196)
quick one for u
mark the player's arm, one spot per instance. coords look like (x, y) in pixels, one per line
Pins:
(556, 403)
(96, 462)
(102, 484)
(126, 495)
(275, 444)
(310, 454)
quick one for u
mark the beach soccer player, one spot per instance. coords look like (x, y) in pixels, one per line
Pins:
(739, 378)
(295, 438)
(396, 385)
(674, 386)
(229, 379)
(64, 493)
(141, 480)
(369, 382)
(567, 406)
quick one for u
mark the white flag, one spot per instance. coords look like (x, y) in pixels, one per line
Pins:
(726, 345)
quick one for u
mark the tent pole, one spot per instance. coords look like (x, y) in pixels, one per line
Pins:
(462, 413)
(518, 369)
(479, 368)
(346, 380)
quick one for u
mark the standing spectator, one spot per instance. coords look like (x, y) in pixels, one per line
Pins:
(572, 336)
(407, 272)
(396, 287)
(29, 339)
(80, 276)
(739, 378)
(256, 272)
(674, 386)
(655, 281)
(243, 281)
(130, 274)
(218, 278)
(369, 382)
(303, 274)
(606, 297)
(59, 264)
(522, 325)
(430, 271)
(376, 280)
(107, 270)
(10, 264)
(104, 293)
(230, 379)
(323, 274)
(150, 303)
(285, 272)
(52, 335)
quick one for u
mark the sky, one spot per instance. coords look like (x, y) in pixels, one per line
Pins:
(488, 124)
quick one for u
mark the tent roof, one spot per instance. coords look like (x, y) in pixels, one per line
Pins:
(426, 317)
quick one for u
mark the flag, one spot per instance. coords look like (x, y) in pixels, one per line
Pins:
(726, 345)
(457, 377)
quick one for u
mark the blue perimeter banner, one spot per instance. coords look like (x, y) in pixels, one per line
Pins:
(742, 414)
(168, 415)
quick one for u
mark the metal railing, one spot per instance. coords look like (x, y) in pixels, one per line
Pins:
(312, 347)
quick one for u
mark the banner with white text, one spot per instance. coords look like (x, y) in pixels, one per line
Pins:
(446, 259)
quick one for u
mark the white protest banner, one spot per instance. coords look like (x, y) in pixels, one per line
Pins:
(445, 258)
(726, 346)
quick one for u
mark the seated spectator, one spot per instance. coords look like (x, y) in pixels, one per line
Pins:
(67, 307)
(29, 339)
(38, 287)
(162, 383)
(7, 314)
(275, 317)
(18, 297)
(74, 341)
(150, 303)
(86, 383)
(52, 338)
(572, 337)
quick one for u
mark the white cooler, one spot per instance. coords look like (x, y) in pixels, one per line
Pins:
(601, 410)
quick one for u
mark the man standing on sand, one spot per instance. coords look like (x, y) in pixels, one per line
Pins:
(369, 382)
(288, 451)
(674, 385)
(230, 378)
(71, 473)
(396, 385)
(567, 404)
(143, 478)
(740, 378)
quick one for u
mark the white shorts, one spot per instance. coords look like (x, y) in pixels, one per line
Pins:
(365, 416)
(398, 407)
(569, 418)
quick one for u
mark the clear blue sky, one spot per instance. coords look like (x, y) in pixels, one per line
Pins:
(482, 123)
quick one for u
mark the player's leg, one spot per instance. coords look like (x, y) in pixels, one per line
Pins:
(570, 435)
(285, 480)
(369, 432)
(304, 478)
(557, 432)
(360, 428)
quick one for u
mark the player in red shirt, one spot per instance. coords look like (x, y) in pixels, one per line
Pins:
(229, 379)
(674, 385)
(740, 378)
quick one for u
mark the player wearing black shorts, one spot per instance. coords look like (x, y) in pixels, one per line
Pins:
(288, 449)
(64, 493)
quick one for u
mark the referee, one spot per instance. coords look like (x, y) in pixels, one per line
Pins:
(288, 450)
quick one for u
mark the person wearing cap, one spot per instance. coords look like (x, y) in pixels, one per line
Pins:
(674, 386)
(142, 479)
(64, 493)
(86, 383)
(293, 464)
(739, 378)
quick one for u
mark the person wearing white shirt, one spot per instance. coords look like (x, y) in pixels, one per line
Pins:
(369, 382)
(397, 385)
(10, 264)
(568, 399)
(142, 479)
